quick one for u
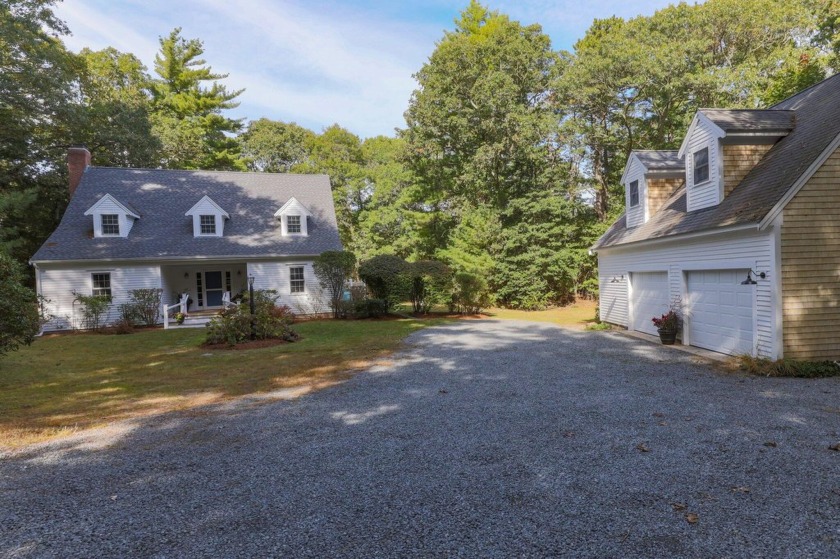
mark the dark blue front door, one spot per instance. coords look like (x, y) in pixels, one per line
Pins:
(213, 289)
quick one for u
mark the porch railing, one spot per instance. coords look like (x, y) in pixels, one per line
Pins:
(181, 305)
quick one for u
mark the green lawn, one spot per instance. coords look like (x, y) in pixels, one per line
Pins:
(576, 315)
(74, 381)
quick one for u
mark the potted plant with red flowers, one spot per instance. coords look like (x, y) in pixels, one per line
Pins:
(668, 324)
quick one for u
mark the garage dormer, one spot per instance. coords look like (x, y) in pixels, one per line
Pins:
(208, 218)
(111, 218)
(293, 218)
(650, 177)
(723, 145)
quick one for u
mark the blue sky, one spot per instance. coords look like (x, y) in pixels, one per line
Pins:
(317, 62)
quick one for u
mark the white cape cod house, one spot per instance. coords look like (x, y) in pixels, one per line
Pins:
(741, 226)
(197, 232)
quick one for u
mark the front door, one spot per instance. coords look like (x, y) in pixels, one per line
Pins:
(213, 289)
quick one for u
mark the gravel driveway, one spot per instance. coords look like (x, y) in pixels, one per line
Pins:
(480, 439)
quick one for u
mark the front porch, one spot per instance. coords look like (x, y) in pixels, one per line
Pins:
(205, 284)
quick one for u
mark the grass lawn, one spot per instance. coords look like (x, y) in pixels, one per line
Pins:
(576, 315)
(63, 383)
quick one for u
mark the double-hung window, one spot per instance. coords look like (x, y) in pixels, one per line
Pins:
(293, 224)
(110, 224)
(634, 193)
(207, 224)
(701, 165)
(101, 284)
(298, 285)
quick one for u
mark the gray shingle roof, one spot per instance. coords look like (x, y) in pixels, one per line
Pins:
(660, 160)
(161, 197)
(817, 117)
(732, 120)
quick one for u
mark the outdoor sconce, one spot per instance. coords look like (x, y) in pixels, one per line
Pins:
(186, 275)
(617, 279)
(750, 280)
(238, 272)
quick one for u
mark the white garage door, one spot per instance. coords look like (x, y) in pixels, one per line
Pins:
(649, 298)
(721, 311)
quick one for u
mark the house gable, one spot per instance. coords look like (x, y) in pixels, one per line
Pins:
(703, 137)
(201, 213)
(116, 215)
(635, 173)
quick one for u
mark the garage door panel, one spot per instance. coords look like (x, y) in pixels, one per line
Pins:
(649, 298)
(721, 311)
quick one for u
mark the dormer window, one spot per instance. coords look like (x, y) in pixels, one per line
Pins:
(701, 165)
(208, 218)
(293, 218)
(111, 218)
(110, 225)
(293, 224)
(634, 193)
(207, 224)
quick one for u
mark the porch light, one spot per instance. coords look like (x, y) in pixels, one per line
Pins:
(251, 281)
(617, 279)
(186, 275)
(750, 280)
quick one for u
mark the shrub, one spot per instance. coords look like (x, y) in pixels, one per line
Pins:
(146, 303)
(20, 319)
(370, 308)
(387, 279)
(333, 268)
(233, 325)
(128, 314)
(470, 295)
(94, 309)
(430, 284)
(123, 326)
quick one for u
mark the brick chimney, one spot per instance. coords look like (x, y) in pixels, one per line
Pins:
(78, 159)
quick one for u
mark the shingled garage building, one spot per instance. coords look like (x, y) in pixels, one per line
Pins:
(741, 226)
(203, 233)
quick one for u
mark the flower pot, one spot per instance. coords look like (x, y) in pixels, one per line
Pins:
(667, 335)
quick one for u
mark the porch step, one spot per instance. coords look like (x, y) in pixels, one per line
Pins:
(193, 321)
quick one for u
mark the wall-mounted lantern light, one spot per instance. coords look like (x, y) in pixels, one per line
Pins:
(186, 275)
(617, 279)
(750, 280)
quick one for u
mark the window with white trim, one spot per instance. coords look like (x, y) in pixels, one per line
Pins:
(110, 224)
(298, 284)
(101, 284)
(634, 193)
(207, 223)
(293, 224)
(701, 165)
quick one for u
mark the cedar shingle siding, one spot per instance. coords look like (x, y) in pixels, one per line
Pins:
(811, 267)
(738, 161)
(659, 190)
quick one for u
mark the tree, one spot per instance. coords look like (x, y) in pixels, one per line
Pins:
(431, 283)
(333, 268)
(37, 113)
(187, 115)
(19, 316)
(338, 153)
(387, 278)
(116, 99)
(271, 146)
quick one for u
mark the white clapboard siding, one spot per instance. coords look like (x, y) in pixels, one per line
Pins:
(708, 193)
(57, 284)
(748, 250)
(275, 275)
(635, 214)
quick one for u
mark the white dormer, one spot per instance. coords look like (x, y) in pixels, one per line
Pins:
(702, 151)
(208, 218)
(634, 191)
(111, 218)
(293, 218)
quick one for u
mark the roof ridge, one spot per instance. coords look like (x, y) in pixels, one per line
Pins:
(207, 171)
